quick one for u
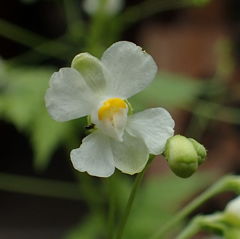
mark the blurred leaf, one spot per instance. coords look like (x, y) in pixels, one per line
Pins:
(158, 200)
(40, 187)
(46, 135)
(168, 89)
(36, 42)
(22, 103)
(89, 229)
(23, 94)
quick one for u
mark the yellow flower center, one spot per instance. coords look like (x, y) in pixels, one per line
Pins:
(111, 107)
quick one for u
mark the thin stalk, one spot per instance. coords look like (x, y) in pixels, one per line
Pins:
(210, 222)
(190, 230)
(96, 30)
(71, 13)
(227, 183)
(19, 34)
(75, 24)
(37, 53)
(131, 198)
(36, 42)
(111, 209)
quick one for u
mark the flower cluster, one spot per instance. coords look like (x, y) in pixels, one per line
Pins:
(99, 89)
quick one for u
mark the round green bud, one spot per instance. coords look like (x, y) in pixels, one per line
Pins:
(181, 156)
(200, 149)
(232, 212)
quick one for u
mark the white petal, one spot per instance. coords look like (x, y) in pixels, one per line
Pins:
(68, 96)
(154, 126)
(93, 72)
(131, 68)
(131, 155)
(233, 207)
(94, 156)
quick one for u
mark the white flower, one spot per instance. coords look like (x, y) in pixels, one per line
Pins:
(99, 88)
(110, 7)
(232, 211)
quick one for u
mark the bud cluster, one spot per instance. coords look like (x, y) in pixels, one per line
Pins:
(184, 155)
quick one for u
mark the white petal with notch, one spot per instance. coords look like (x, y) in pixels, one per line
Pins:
(94, 156)
(131, 69)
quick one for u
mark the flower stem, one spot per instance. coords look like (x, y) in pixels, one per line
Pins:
(111, 209)
(192, 229)
(209, 222)
(225, 184)
(131, 198)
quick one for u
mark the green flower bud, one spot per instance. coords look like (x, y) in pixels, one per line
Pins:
(200, 149)
(181, 156)
(232, 212)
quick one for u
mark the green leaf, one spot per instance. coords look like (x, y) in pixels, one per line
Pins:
(22, 103)
(158, 201)
(46, 135)
(89, 229)
(23, 94)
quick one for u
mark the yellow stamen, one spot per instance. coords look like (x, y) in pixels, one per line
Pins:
(110, 107)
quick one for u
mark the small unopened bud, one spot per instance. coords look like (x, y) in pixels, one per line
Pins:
(181, 156)
(232, 212)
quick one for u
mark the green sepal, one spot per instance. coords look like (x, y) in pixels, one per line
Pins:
(200, 149)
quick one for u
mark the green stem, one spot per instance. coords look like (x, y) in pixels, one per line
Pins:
(39, 187)
(212, 223)
(20, 35)
(192, 229)
(36, 42)
(71, 13)
(38, 53)
(131, 198)
(112, 208)
(227, 183)
(96, 30)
